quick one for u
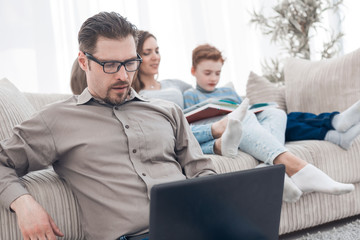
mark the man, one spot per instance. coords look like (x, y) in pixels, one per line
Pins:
(108, 143)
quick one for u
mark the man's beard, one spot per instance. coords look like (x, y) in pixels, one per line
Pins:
(116, 101)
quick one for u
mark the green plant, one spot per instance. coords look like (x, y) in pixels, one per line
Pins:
(290, 27)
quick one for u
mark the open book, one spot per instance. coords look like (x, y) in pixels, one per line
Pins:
(214, 107)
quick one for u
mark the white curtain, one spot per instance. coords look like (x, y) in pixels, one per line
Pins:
(38, 42)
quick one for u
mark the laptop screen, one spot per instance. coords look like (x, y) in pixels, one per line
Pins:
(237, 205)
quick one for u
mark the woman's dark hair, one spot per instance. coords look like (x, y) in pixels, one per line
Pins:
(137, 84)
(77, 79)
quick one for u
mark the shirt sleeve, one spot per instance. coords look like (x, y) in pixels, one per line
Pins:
(190, 98)
(188, 150)
(177, 83)
(184, 86)
(30, 148)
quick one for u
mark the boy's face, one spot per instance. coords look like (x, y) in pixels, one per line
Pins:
(207, 74)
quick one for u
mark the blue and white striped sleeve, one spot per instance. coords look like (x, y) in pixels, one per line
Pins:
(190, 98)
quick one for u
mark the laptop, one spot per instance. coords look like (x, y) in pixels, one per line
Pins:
(237, 205)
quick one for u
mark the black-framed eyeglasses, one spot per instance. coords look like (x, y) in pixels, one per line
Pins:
(114, 66)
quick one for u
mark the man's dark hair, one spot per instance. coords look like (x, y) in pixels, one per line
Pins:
(110, 25)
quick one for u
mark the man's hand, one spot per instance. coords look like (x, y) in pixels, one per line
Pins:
(34, 222)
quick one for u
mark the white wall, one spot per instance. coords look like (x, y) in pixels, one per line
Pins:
(38, 42)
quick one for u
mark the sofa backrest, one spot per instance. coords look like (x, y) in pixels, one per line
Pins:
(16, 107)
(311, 86)
(322, 86)
(39, 100)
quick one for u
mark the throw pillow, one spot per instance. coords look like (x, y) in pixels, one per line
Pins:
(322, 86)
(259, 89)
(14, 108)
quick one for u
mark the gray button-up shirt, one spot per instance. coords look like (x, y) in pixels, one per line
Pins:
(110, 155)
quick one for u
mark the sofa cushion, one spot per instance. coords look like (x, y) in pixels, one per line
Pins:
(322, 86)
(14, 108)
(259, 89)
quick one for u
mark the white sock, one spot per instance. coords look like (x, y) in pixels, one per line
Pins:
(240, 112)
(230, 139)
(291, 192)
(345, 120)
(343, 139)
(312, 179)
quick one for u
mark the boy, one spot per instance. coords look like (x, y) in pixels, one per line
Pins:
(261, 135)
(338, 128)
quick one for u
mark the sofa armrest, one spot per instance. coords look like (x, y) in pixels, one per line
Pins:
(56, 197)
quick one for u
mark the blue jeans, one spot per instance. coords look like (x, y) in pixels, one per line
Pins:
(308, 126)
(203, 135)
(263, 135)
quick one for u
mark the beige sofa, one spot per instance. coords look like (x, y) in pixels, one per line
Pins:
(310, 86)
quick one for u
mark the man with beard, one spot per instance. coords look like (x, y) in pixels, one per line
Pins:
(108, 143)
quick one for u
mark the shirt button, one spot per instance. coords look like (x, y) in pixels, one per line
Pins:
(144, 174)
(134, 150)
(127, 126)
(116, 108)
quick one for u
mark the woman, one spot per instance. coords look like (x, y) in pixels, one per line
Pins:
(145, 81)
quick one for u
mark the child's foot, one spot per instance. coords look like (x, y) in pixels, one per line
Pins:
(343, 139)
(345, 120)
(240, 112)
(218, 128)
(230, 139)
(312, 179)
(291, 192)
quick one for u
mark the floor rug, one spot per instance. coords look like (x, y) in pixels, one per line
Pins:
(348, 231)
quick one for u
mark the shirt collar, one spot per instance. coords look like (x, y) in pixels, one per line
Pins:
(86, 96)
(203, 90)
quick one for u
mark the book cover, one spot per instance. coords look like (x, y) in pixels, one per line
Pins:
(212, 108)
(207, 111)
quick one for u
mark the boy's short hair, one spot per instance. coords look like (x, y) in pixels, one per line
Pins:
(206, 52)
